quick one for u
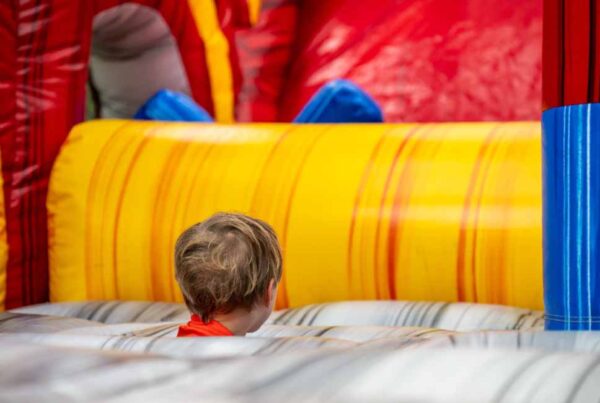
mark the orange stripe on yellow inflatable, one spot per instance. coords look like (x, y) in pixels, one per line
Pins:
(217, 58)
(3, 250)
(447, 212)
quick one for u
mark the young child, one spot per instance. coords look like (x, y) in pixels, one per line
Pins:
(228, 268)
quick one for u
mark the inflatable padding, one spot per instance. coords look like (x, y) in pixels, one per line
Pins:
(202, 347)
(395, 314)
(119, 361)
(438, 212)
(438, 315)
(374, 374)
(112, 311)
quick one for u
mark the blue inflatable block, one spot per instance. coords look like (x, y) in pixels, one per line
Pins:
(340, 101)
(172, 106)
(571, 196)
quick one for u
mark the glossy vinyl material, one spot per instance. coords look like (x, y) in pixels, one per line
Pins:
(340, 101)
(383, 351)
(172, 106)
(423, 60)
(266, 51)
(571, 57)
(436, 212)
(572, 217)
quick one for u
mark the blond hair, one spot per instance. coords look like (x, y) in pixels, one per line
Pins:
(226, 262)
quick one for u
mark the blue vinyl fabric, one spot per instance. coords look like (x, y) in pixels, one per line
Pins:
(571, 182)
(167, 105)
(340, 101)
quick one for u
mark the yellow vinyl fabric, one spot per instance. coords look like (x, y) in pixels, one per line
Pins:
(3, 249)
(438, 212)
(217, 58)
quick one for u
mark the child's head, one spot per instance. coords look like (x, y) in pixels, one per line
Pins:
(227, 263)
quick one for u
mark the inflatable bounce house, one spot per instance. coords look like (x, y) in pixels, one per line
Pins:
(430, 175)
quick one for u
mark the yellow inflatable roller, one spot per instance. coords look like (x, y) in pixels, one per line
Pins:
(441, 212)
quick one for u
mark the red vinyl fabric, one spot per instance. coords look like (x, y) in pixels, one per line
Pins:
(42, 92)
(266, 51)
(423, 60)
(571, 59)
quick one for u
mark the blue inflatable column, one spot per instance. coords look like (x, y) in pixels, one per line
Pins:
(571, 181)
(571, 164)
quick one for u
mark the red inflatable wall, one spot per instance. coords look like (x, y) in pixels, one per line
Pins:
(423, 60)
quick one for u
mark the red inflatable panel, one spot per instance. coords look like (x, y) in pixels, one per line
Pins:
(46, 84)
(571, 57)
(266, 50)
(424, 60)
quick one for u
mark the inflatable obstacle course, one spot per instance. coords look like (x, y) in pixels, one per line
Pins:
(412, 251)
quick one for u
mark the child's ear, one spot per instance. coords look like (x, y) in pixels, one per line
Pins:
(269, 295)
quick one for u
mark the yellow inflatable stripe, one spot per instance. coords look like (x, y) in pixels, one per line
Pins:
(3, 249)
(254, 10)
(443, 212)
(217, 58)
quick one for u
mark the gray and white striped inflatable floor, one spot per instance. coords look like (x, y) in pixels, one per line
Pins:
(348, 351)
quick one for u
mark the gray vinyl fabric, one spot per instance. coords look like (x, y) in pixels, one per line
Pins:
(439, 315)
(12, 322)
(342, 352)
(47, 373)
(351, 333)
(197, 347)
(113, 311)
(513, 340)
(127, 66)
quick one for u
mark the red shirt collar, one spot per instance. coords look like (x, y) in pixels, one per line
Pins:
(196, 327)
